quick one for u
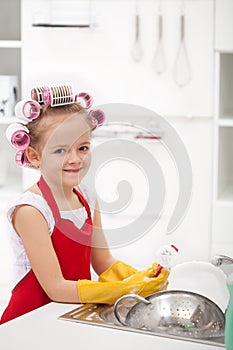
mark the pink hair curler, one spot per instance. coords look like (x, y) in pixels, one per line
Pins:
(58, 95)
(46, 96)
(36, 94)
(84, 99)
(97, 117)
(17, 135)
(21, 159)
(28, 110)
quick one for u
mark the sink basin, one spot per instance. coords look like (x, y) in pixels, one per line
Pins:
(103, 315)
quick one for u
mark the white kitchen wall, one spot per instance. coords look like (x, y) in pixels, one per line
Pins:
(98, 60)
(193, 236)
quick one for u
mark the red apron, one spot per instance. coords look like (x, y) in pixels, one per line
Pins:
(72, 246)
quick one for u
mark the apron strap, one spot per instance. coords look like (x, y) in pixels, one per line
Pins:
(49, 197)
(52, 203)
(84, 202)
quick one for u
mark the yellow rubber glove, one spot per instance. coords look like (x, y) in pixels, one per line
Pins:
(118, 271)
(152, 284)
(140, 282)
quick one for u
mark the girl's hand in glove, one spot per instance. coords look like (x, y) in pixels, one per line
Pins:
(122, 279)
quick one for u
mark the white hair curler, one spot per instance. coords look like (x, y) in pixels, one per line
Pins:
(27, 110)
(58, 95)
(17, 135)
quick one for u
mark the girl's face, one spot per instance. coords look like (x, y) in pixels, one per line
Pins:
(65, 158)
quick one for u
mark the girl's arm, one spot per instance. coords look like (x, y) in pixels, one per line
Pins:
(101, 258)
(32, 227)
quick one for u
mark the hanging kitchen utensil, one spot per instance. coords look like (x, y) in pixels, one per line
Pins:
(159, 61)
(182, 68)
(136, 51)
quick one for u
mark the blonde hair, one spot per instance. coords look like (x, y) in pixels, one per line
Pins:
(38, 127)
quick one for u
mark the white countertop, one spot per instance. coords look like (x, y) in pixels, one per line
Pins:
(41, 329)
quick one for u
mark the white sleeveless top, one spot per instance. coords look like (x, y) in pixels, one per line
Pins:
(78, 217)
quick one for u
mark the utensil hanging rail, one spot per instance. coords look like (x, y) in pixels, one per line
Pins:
(131, 135)
(51, 25)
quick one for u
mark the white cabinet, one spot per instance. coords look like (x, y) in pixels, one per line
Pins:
(222, 237)
(10, 20)
(224, 120)
(10, 65)
(223, 181)
(10, 174)
(10, 38)
(225, 64)
(223, 25)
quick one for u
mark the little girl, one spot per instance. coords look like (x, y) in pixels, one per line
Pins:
(56, 224)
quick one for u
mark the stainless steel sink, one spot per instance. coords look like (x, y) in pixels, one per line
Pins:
(103, 315)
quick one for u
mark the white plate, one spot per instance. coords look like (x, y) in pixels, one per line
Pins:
(202, 278)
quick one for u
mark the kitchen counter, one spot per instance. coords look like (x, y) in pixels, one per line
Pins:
(41, 329)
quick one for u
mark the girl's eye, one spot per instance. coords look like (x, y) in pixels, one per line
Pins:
(84, 148)
(60, 151)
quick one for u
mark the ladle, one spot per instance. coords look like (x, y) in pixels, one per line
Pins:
(136, 51)
(182, 69)
(159, 61)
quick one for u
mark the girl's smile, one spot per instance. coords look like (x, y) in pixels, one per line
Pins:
(72, 170)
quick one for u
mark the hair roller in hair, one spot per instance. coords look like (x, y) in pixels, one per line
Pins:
(97, 117)
(27, 110)
(21, 159)
(46, 96)
(84, 99)
(36, 94)
(17, 135)
(58, 95)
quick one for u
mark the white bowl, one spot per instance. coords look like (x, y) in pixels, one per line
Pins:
(202, 278)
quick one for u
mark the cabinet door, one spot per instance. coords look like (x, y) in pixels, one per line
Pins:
(10, 21)
(223, 25)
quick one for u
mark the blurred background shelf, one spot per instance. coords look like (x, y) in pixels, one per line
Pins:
(10, 44)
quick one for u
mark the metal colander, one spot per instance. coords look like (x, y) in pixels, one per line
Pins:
(179, 313)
